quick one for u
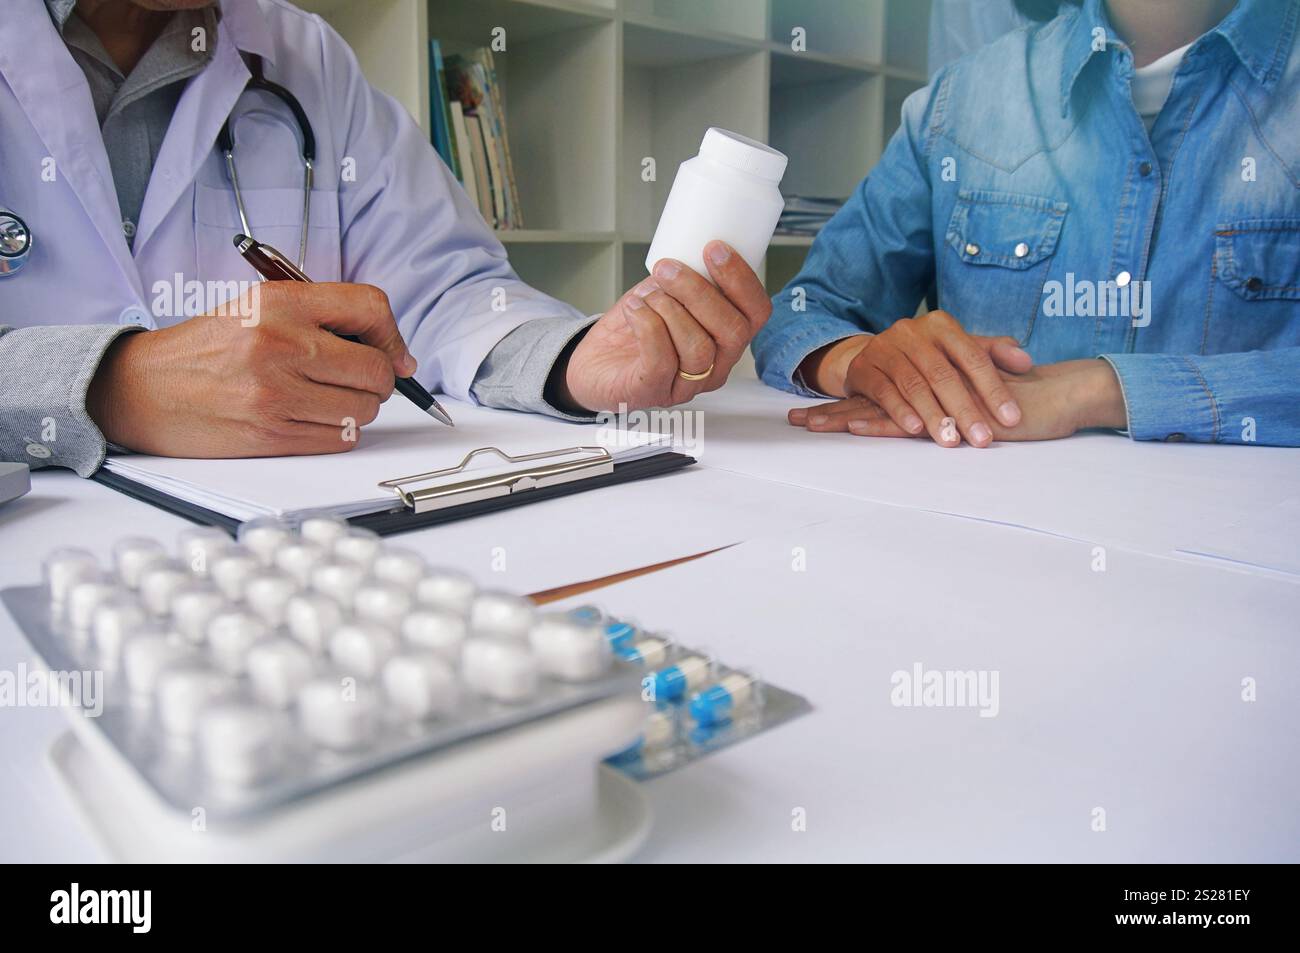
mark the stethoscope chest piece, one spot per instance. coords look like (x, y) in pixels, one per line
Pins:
(15, 243)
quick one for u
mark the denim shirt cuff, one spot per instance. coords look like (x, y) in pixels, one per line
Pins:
(1167, 397)
(780, 365)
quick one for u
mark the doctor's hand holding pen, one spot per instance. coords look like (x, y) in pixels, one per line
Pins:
(263, 375)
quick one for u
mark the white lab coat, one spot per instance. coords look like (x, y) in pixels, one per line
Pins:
(385, 210)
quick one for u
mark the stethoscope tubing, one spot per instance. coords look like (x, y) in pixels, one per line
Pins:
(226, 143)
(11, 263)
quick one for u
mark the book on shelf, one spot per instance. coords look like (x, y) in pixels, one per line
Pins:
(482, 193)
(469, 123)
(464, 155)
(440, 109)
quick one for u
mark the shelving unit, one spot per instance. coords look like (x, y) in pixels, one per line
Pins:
(592, 87)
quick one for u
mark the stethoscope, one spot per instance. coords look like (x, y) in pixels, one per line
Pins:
(16, 237)
(226, 143)
(15, 243)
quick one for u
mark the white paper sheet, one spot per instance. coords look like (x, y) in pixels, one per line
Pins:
(1100, 487)
(1119, 689)
(618, 528)
(1266, 536)
(403, 441)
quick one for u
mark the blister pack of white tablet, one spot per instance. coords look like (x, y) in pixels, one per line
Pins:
(245, 674)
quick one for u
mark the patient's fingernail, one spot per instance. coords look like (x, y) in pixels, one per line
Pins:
(860, 426)
(1020, 352)
(798, 415)
(718, 253)
(912, 423)
(667, 269)
(981, 433)
(647, 287)
(1010, 413)
(819, 420)
(634, 302)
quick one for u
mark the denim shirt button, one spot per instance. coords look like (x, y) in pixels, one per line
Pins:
(972, 249)
(1144, 169)
(1254, 283)
(1022, 250)
(1123, 278)
(1176, 438)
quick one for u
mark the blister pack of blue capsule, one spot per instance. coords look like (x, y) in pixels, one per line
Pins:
(696, 704)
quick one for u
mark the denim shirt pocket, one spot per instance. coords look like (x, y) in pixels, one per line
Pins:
(1257, 263)
(1002, 243)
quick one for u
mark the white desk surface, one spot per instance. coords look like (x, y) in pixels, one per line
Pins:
(1118, 689)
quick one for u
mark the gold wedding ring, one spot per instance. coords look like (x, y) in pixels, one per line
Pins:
(696, 377)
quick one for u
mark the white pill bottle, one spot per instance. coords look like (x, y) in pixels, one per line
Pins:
(728, 192)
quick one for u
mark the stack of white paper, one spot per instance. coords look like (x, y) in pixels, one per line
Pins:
(402, 442)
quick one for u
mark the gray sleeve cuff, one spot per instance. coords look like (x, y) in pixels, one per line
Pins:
(514, 374)
(44, 374)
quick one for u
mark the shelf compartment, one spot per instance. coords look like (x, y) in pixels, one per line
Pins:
(667, 110)
(579, 273)
(846, 28)
(830, 129)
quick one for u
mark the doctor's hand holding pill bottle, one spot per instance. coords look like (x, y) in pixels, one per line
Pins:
(263, 375)
(680, 331)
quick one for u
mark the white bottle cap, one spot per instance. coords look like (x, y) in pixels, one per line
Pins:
(742, 153)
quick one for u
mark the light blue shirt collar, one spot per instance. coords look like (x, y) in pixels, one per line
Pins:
(1259, 32)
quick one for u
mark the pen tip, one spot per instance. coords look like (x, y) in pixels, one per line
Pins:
(437, 413)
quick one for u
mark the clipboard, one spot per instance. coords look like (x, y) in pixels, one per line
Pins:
(420, 500)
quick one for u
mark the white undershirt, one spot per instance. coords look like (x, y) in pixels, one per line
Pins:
(1151, 84)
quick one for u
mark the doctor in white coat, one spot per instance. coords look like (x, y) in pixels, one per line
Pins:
(113, 321)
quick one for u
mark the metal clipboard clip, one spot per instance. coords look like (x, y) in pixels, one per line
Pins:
(593, 461)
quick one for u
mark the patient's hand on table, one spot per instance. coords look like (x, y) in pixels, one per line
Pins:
(674, 321)
(925, 373)
(1056, 400)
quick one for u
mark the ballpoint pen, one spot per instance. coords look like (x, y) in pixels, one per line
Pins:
(273, 266)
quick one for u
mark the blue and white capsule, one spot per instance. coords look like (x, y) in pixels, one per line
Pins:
(659, 733)
(619, 634)
(587, 614)
(650, 652)
(720, 702)
(672, 683)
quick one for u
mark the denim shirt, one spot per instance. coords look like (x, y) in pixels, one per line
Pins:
(1025, 195)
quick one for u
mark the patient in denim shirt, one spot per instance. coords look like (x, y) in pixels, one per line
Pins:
(1027, 198)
